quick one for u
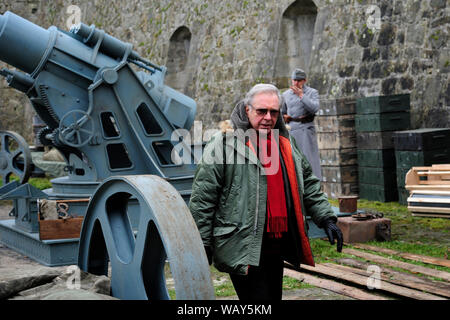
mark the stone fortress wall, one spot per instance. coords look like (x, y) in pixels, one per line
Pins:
(216, 50)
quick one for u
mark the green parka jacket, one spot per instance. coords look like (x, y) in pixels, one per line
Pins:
(229, 196)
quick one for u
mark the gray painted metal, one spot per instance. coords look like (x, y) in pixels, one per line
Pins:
(108, 120)
(25, 206)
(51, 253)
(15, 157)
(166, 230)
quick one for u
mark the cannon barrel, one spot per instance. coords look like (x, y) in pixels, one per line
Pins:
(105, 117)
(22, 43)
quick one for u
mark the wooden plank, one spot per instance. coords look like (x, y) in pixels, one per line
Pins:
(406, 255)
(334, 286)
(424, 173)
(399, 264)
(436, 287)
(444, 212)
(434, 182)
(440, 167)
(429, 200)
(400, 281)
(434, 192)
(60, 229)
(429, 209)
(420, 187)
(424, 215)
(363, 281)
(74, 200)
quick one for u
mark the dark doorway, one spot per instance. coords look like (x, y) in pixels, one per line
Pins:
(177, 59)
(295, 40)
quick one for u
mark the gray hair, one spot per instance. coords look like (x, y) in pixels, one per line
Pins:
(262, 88)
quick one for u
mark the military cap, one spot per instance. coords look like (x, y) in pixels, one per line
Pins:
(298, 74)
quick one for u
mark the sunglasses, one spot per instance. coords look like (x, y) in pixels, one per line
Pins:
(262, 112)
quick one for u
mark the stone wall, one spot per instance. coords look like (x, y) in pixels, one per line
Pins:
(398, 46)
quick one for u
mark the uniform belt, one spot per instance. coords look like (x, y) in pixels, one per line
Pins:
(304, 119)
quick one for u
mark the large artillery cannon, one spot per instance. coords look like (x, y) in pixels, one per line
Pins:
(115, 127)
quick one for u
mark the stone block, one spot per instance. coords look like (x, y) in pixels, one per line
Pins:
(14, 279)
(355, 231)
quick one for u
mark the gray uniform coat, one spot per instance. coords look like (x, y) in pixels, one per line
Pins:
(304, 133)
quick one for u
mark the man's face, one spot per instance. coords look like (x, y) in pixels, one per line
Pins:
(298, 83)
(264, 111)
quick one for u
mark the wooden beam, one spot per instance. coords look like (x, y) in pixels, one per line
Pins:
(399, 264)
(442, 200)
(420, 187)
(406, 255)
(400, 281)
(426, 215)
(332, 286)
(436, 287)
(363, 281)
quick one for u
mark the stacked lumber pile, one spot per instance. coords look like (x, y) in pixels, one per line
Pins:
(373, 279)
(429, 189)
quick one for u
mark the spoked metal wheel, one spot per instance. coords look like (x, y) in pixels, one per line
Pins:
(76, 128)
(150, 206)
(15, 157)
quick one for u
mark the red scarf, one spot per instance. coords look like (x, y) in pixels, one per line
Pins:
(276, 198)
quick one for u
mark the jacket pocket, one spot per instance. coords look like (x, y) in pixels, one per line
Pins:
(223, 231)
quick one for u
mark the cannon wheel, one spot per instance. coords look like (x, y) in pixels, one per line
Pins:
(76, 128)
(165, 230)
(15, 157)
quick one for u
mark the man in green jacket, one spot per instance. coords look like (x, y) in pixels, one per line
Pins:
(251, 192)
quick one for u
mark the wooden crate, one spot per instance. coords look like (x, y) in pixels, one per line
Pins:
(376, 175)
(382, 122)
(335, 190)
(340, 174)
(338, 157)
(336, 140)
(383, 104)
(429, 189)
(69, 228)
(422, 139)
(336, 107)
(383, 158)
(375, 140)
(342, 123)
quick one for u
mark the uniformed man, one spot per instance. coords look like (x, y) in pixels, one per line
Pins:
(299, 109)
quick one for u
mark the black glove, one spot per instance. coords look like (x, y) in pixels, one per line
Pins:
(333, 232)
(209, 254)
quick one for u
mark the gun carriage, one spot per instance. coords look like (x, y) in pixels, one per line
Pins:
(109, 113)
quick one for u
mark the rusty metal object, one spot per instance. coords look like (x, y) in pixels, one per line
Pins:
(348, 203)
(367, 216)
(165, 230)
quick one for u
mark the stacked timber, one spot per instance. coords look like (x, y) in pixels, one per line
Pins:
(376, 120)
(336, 137)
(429, 189)
(421, 147)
